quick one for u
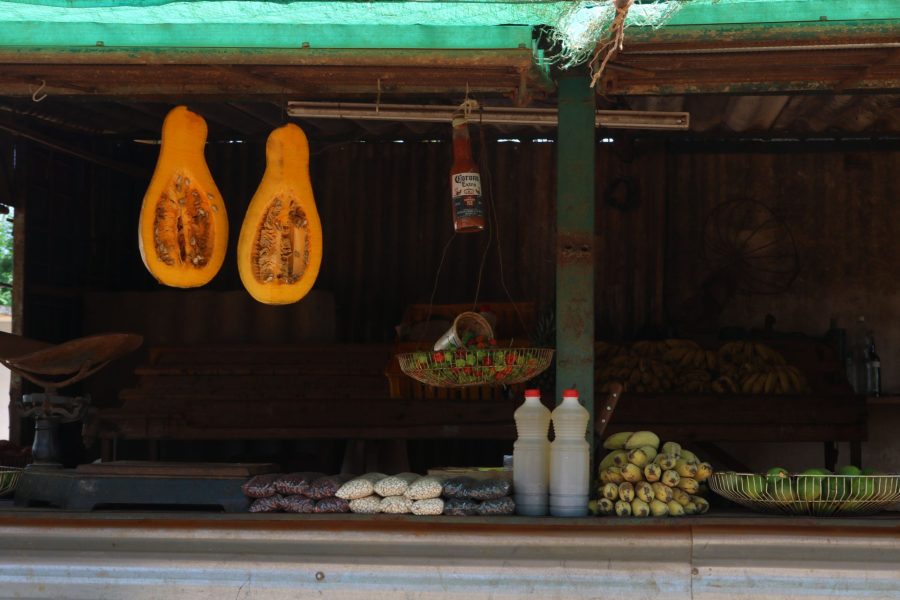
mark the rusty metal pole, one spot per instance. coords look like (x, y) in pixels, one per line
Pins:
(575, 241)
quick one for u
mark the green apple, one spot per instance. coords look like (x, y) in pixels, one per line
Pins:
(778, 485)
(809, 486)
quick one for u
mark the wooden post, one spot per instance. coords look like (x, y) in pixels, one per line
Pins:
(575, 241)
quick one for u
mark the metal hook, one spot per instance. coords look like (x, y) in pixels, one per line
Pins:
(34, 93)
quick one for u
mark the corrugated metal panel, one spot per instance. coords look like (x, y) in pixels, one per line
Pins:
(103, 557)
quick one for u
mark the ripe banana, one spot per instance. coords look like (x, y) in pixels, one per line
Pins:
(704, 471)
(689, 485)
(666, 462)
(680, 496)
(621, 460)
(670, 478)
(659, 508)
(691, 509)
(617, 440)
(702, 504)
(639, 508)
(626, 491)
(644, 491)
(614, 475)
(642, 438)
(632, 473)
(638, 457)
(609, 460)
(623, 509)
(663, 493)
(606, 506)
(675, 509)
(604, 476)
(685, 468)
(610, 491)
(652, 472)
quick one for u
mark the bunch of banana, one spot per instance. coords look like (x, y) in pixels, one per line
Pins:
(636, 375)
(725, 385)
(694, 381)
(776, 380)
(647, 349)
(691, 357)
(638, 478)
(752, 353)
(605, 351)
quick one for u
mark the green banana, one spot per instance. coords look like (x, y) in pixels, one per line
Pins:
(688, 456)
(617, 440)
(642, 438)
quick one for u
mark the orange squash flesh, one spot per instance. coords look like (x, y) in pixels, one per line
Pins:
(183, 229)
(280, 246)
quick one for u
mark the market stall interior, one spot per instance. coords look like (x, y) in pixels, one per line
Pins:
(728, 193)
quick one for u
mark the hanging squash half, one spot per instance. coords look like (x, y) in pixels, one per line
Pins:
(280, 247)
(183, 230)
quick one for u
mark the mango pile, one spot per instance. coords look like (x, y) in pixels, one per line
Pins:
(641, 479)
(679, 365)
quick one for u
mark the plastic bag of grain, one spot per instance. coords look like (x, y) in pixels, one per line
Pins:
(429, 506)
(267, 504)
(458, 487)
(460, 507)
(395, 485)
(332, 505)
(295, 483)
(497, 506)
(370, 505)
(396, 505)
(489, 489)
(359, 487)
(261, 486)
(425, 488)
(327, 486)
(298, 504)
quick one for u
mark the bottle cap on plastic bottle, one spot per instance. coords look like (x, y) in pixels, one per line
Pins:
(570, 393)
(532, 393)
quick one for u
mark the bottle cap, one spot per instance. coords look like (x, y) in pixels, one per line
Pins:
(532, 393)
(570, 393)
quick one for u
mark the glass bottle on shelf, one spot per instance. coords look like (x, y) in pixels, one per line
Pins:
(873, 367)
(465, 182)
(856, 357)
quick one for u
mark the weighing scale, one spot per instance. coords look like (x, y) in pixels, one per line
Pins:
(118, 484)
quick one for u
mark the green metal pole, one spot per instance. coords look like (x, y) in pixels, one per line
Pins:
(575, 241)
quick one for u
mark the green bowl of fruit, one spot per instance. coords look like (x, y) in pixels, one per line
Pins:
(813, 492)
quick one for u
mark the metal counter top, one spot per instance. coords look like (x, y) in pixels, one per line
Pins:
(55, 554)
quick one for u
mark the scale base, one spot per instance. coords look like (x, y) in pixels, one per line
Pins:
(133, 485)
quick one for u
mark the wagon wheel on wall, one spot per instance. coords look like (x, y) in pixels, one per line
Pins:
(748, 244)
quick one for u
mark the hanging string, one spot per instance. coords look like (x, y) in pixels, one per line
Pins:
(437, 277)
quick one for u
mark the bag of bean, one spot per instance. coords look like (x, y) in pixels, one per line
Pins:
(425, 488)
(261, 486)
(490, 489)
(430, 506)
(327, 486)
(497, 506)
(267, 504)
(332, 505)
(460, 507)
(359, 487)
(370, 505)
(395, 485)
(298, 504)
(295, 483)
(396, 505)
(458, 487)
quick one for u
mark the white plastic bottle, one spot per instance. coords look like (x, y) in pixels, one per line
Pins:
(531, 456)
(569, 459)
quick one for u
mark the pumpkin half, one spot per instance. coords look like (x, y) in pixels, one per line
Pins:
(280, 246)
(183, 229)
